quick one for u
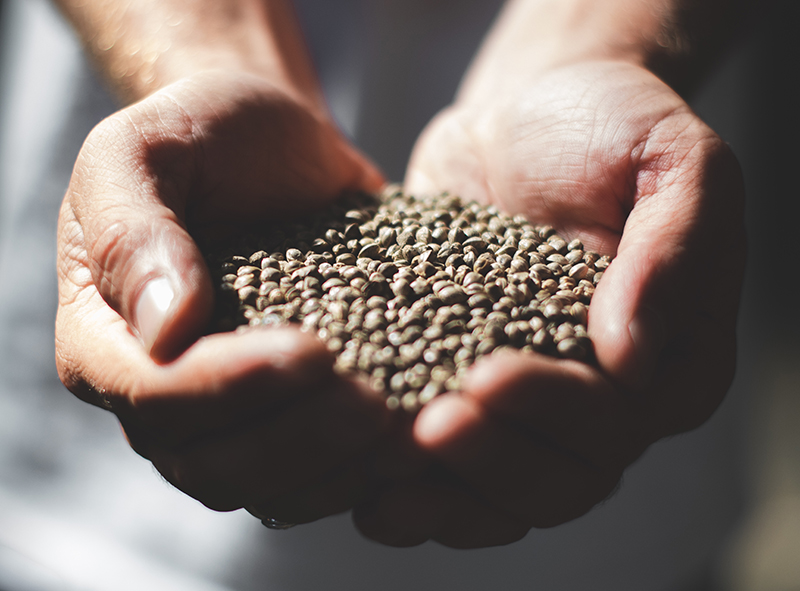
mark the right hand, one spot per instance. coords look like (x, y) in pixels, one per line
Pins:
(255, 419)
(605, 152)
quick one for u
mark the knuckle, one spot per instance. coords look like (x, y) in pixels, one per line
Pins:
(71, 375)
(111, 262)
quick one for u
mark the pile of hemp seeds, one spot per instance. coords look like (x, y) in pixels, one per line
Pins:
(409, 292)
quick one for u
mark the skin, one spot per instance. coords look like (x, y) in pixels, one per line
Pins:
(561, 117)
(611, 155)
(201, 150)
(227, 402)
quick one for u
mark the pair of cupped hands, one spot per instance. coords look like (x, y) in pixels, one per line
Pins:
(603, 151)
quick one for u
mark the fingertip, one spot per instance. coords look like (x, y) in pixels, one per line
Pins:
(284, 351)
(495, 371)
(443, 420)
(372, 179)
(380, 417)
(363, 174)
(402, 517)
(627, 332)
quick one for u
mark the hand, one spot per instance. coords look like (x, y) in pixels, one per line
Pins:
(254, 419)
(605, 152)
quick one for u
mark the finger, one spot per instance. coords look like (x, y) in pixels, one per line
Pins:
(227, 379)
(402, 516)
(446, 157)
(669, 270)
(366, 175)
(203, 150)
(277, 454)
(507, 466)
(470, 523)
(337, 493)
(219, 381)
(567, 405)
(128, 208)
(411, 514)
(692, 379)
(397, 456)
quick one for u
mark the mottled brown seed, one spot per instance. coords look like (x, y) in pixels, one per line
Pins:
(405, 238)
(267, 287)
(294, 254)
(602, 263)
(346, 258)
(579, 271)
(571, 348)
(248, 294)
(356, 215)
(352, 231)
(425, 269)
(410, 402)
(248, 270)
(245, 280)
(574, 256)
(479, 244)
(579, 312)
(270, 274)
(473, 278)
(333, 236)
(423, 235)
(456, 235)
(452, 294)
(542, 340)
(333, 282)
(463, 356)
(545, 249)
(320, 245)
(371, 250)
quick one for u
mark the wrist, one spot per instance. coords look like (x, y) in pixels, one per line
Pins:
(143, 45)
(674, 41)
(534, 37)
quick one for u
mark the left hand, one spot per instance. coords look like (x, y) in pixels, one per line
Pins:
(605, 152)
(254, 419)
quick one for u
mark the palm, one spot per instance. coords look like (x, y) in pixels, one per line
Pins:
(606, 153)
(237, 147)
(208, 153)
(566, 154)
(609, 154)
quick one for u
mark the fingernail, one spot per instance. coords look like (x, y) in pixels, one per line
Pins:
(151, 309)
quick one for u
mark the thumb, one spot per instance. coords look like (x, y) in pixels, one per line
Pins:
(142, 260)
(447, 158)
(667, 278)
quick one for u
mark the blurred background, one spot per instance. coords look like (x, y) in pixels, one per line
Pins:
(717, 509)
